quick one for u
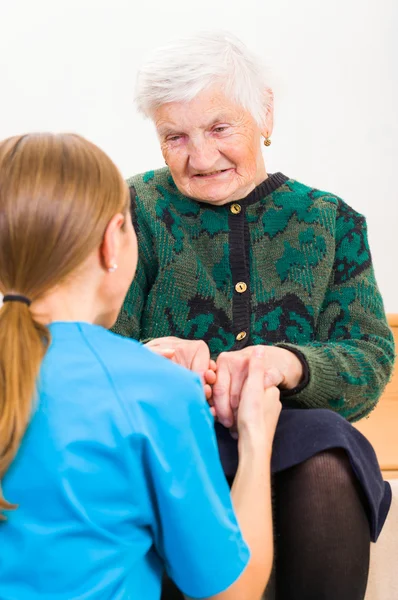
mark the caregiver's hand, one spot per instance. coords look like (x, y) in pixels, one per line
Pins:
(192, 354)
(282, 369)
(260, 407)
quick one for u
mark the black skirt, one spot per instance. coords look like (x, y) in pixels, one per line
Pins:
(301, 434)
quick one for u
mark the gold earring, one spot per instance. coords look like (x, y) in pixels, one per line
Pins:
(267, 142)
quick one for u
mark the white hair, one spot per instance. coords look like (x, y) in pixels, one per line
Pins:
(182, 69)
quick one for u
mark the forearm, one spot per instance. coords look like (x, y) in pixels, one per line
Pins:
(251, 497)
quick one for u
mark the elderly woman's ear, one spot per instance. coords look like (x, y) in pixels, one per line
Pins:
(268, 126)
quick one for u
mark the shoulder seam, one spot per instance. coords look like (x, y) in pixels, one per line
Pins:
(108, 375)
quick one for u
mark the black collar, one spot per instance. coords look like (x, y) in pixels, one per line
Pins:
(265, 188)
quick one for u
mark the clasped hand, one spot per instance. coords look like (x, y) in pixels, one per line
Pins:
(224, 379)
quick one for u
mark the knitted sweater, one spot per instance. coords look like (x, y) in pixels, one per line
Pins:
(287, 265)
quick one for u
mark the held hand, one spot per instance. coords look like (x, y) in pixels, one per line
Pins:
(259, 407)
(192, 354)
(281, 368)
(165, 352)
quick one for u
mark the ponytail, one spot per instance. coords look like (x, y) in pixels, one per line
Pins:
(23, 343)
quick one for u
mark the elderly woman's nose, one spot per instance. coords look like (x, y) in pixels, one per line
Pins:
(202, 154)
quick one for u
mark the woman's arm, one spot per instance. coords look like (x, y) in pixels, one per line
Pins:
(251, 498)
(251, 491)
(195, 529)
(351, 359)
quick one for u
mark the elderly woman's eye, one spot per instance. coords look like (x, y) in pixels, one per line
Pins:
(173, 138)
(220, 128)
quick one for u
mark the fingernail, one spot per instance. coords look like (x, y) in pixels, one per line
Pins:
(259, 351)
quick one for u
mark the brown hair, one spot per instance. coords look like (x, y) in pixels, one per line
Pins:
(57, 195)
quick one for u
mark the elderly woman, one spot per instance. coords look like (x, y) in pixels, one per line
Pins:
(232, 257)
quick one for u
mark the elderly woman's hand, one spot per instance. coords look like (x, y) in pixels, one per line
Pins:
(192, 354)
(283, 369)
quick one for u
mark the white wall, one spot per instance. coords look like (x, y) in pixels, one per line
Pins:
(71, 65)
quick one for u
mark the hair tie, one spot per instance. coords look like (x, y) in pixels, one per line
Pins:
(17, 298)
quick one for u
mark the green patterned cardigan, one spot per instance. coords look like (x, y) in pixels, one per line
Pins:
(287, 265)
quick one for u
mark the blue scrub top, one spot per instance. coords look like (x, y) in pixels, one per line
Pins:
(117, 478)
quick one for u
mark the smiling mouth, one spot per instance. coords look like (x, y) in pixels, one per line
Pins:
(212, 173)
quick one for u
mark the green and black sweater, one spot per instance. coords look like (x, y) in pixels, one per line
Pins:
(287, 265)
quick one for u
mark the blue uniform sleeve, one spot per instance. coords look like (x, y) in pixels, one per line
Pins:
(195, 529)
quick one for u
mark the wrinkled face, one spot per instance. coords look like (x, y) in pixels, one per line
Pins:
(212, 147)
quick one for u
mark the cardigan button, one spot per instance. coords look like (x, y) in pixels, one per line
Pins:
(235, 208)
(241, 287)
(241, 336)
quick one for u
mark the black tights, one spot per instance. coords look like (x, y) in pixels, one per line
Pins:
(322, 536)
(322, 531)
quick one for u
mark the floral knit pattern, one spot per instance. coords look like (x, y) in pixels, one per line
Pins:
(309, 284)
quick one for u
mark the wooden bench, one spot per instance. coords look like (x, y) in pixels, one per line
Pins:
(381, 427)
